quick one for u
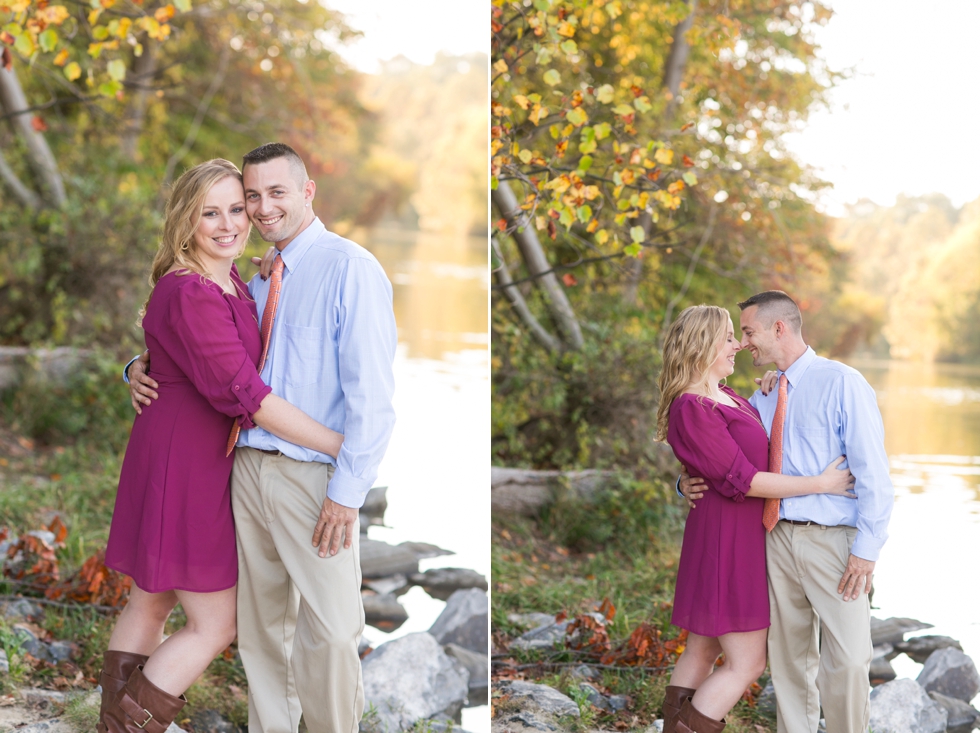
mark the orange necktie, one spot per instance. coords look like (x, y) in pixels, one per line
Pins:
(268, 317)
(770, 512)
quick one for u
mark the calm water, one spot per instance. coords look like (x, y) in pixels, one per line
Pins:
(435, 468)
(927, 569)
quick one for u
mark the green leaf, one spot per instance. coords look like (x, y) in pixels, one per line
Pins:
(494, 183)
(584, 213)
(566, 218)
(73, 71)
(525, 156)
(577, 116)
(690, 179)
(602, 130)
(544, 56)
(632, 250)
(587, 147)
(605, 93)
(182, 5)
(623, 204)
(110, 88)
(48, 40)
(637, 234)
(542, 5)
(642, 104)
(623, 109)
(585, 162)
(552, 77)
(100, 32)
(495, 261)
(24, 45)
(617, 179)
(117, 69)
(569, 47)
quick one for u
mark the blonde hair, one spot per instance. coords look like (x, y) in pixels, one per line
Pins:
(689, 349)
(183, 215)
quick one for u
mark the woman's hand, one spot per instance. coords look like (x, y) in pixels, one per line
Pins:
(836, 481)
(768, 382)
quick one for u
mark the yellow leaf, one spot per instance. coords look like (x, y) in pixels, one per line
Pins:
(676, 187)
(602, 236)
(577, 116)
(526, 156)
(552, 77)
(500, 66)
(62, 58)
(73, 71)
(538, 113)
(53, 14)
(93, 16)
(664, 156)
(183, 5)
(521, 101)
(605, 93)
(165, 13)
(25, 44)
(117, 70)
(566, 29)
(495, 145)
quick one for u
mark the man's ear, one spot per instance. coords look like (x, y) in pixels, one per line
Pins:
(780, 329)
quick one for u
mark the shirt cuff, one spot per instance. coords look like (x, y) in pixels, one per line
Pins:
(249, 389)
(347, 490)
(126, 368)
(677, 487)
(867, 547)
(738, 480)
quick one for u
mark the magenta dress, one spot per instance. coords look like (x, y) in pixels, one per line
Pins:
(172, 527)
(721, 578)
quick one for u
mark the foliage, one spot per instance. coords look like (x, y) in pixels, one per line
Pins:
(588, 132)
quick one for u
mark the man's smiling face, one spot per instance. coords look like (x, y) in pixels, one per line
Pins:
(758, 337)
(276, 199)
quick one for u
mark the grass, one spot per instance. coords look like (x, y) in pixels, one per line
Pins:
(623, 545)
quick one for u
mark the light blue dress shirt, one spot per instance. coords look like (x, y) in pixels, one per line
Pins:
(330, 354)
(831, 411)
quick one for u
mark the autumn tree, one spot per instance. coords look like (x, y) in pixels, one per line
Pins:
(637, 158)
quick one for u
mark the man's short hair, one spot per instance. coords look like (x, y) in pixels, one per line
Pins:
(271, 151)
(775, 305)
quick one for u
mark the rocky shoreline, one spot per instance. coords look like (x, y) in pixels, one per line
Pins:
(426, 676)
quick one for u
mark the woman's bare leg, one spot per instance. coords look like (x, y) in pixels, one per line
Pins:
(745, 661)
(140, 626)
(696, 662)
(210, 628)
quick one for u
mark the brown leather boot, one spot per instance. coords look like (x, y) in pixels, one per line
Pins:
(116, 669)
(142, 707)
(690, 720)
(674, 698)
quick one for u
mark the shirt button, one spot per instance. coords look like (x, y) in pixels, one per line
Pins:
(237, 388)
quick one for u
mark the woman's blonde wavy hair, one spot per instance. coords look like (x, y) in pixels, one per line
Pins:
(690, 347)
(183, 215)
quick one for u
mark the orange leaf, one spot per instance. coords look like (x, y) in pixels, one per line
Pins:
(688, 162)
(687, 126)
(569, 279)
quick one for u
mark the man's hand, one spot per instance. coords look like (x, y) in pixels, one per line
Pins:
(857, 577)
(264, 262)
(768, 382)
(693, 488)
(335, 520)
(141, 386)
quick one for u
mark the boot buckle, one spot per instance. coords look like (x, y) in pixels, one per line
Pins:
(149, 717)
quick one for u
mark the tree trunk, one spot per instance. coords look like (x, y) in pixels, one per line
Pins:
(25, 195)
(634, 267)
(39, 155)
(677, 60)
(513, 294)
(144, 69)
(537, 264)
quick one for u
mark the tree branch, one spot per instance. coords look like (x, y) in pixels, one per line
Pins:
(25, 195)
(668, 314)
(520, 305)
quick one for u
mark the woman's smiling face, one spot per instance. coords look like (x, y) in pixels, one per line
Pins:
(224, 225)
(724, 363)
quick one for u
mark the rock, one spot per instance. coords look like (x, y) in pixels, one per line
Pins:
(538, 698)
(893, 630)
(883, 650)
(595, 698)
(521, 491)
(881, 671)
(43, 699)
(411, 679)
(960, 716)
(44, 535)
(381, 560)
(61, 651)
(766, 703)
(584, 672)
(4, 662)
(363, 646)
(383, 612)
(210, 721)
(423, 550)
(950, 672)
(372, 512)
(391, 584)
(618, 702)
(902, 706)
(443, 582)
(657, 727)
(443, 723)
(21, 609)
(55, 365)
(30, 643)
(465, 621)
(523, 720)
(478, 665)
(533, 620)
(52, 725)
(918, 648)
(543, 637)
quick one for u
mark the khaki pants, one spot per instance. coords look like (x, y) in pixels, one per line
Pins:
(299, 615)
(811, 669)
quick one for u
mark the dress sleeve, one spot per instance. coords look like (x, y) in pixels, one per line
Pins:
(699, 435)
(205, 344)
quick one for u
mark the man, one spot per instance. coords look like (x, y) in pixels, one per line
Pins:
(821, 553)
(330, 353)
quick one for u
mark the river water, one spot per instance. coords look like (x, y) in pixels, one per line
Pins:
(927, 569)
(435, 468)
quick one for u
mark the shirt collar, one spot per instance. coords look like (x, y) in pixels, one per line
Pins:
(798, 368)
(296, 249)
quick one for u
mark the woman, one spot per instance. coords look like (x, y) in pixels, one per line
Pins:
(172, 529)
(721, 596)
